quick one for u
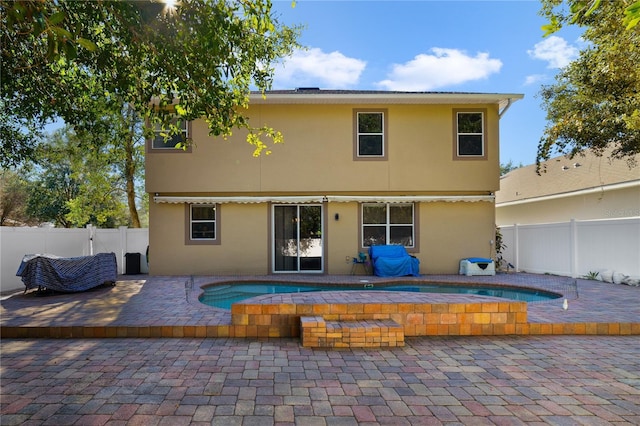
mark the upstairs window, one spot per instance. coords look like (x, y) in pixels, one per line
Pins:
(370, 134)
(160, 142)
(470, 134)
(388, 224)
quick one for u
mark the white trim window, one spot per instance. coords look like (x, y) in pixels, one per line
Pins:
(470, 134)
(202, 222)
(370, 134)
(388, 223)
(160, 142)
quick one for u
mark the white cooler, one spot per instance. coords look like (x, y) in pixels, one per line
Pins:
(477, 266)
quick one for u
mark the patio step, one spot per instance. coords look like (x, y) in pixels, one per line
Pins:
(317, 333)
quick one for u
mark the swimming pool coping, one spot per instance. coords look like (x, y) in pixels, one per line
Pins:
(377, 287)
(564, 286)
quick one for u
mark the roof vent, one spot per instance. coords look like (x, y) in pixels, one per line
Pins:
(576, 165)
(565, 167)
(307, 89)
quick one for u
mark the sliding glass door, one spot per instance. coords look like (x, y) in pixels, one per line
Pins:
(297, 238)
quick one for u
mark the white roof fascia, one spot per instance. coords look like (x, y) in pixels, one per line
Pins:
(595, 190)
(502, 99)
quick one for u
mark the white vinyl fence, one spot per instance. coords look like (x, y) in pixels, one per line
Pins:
(574, 248)
(16, 242)
(569, 249)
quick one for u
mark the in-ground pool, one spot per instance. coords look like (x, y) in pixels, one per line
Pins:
(223, 296)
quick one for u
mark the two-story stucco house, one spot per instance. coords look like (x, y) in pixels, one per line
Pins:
(357, 168)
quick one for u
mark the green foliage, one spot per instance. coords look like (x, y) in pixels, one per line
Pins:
(116, 144)
(592, 275)
(33, 17)
(632, 15)
(500, 246)
(49, 194)
(506, 168)
(255, 138)
(13, 198)
(595, 101)
(60, 57)
(79, 185)
(19, 139)
(580, 11)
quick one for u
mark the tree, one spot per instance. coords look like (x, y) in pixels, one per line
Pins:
(131, 164)
(199, 62)
(595, 101)
(79, 186)
(579, 10)
(116, 142)
(48, 195)
(13, 198)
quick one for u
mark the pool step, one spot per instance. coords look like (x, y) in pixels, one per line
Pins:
(315, 332)
(231, 296)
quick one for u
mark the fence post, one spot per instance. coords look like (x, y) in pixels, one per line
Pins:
(516, 248)
(92, 231)
(573, 259)
(123, 247)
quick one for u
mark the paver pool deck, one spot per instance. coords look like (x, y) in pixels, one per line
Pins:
(142, 306)
(588, 376)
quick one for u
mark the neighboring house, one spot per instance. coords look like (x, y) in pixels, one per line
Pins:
(582, 188)
(357, 168)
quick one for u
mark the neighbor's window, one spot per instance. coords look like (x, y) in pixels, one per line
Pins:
(203, 222)
(370, 134)
(470, 138)
(159, 141)
(388, 224)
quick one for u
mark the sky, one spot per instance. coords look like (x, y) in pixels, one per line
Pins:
(428, 45)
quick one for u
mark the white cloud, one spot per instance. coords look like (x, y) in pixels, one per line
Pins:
(534, 79)
(445, 67)
(316, 68)
(555, 50)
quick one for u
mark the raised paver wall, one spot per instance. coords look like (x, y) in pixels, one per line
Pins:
(417, 319)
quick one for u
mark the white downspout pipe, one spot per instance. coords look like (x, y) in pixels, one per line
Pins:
(501, 113)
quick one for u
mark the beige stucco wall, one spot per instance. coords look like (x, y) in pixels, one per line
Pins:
(243, 231)
(607, 204)
(317, 155)
(453, 231)
(447, 232)
(317, 159)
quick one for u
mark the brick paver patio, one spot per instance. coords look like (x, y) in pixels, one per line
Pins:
(563, 380)
(533, 379)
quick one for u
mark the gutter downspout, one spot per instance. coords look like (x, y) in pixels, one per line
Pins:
(501, 113)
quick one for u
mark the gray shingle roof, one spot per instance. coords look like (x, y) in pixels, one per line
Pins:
(564, 176)
(313, 95)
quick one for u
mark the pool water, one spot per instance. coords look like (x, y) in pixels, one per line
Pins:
(223, 296)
